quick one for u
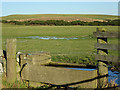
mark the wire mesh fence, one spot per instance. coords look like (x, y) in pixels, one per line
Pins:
(72, 51)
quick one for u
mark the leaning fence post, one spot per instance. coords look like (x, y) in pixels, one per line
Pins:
(11, 61)
(102, 66)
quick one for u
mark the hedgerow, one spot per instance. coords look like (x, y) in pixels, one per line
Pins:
(65, 23)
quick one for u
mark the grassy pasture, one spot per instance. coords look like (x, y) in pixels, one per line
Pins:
(61, 50)
(60, 16)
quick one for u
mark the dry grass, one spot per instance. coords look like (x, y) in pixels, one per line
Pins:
(16, 84)
(69, 19)
(112, 83)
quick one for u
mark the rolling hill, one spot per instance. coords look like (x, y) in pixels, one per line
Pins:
(65, 17)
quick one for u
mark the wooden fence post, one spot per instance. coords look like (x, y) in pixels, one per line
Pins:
(102, 66)
(11, 60)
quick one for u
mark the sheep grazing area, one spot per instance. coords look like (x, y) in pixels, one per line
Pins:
(72, 50)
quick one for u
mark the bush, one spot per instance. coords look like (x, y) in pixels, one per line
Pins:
(65, 23)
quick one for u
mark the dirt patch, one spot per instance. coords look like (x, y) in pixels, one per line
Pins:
(69, 19)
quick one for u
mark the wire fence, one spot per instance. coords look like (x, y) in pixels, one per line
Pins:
(70, 51)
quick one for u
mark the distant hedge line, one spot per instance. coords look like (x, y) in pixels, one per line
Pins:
(65, 23)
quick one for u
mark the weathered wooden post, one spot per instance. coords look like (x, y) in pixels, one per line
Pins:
(102, 66)
(11, 60)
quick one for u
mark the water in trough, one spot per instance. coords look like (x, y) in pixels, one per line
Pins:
(114, 76)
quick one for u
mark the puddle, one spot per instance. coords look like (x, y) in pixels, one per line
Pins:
(112, 76)
(54, 38)
(47, 38)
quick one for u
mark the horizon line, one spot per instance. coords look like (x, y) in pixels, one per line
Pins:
(60, 14)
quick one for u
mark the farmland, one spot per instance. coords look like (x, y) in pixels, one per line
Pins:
(74, 50)
(61, 50)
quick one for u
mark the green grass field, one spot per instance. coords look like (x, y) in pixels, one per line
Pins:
(93, 16)
(61, 50)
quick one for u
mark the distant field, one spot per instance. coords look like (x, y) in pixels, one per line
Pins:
(66, 17)
(82, 47)
(12, 31)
